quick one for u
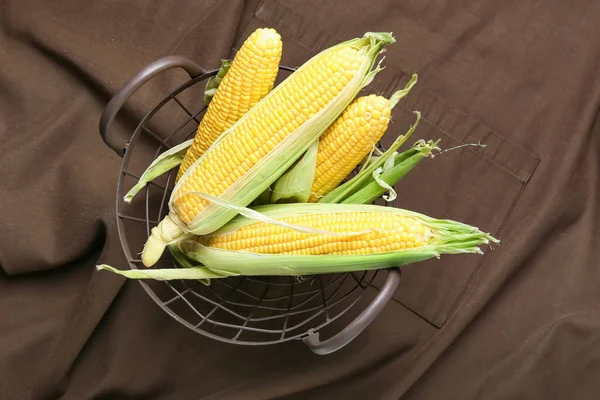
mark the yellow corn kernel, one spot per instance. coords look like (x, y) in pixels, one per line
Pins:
(384, 231)
(251, 77)
(348, 140)
(255, 135)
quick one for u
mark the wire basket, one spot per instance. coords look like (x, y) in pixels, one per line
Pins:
(239, 310)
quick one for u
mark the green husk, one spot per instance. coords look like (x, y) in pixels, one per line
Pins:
(294, 186)
(400, 94)
(184, 262)
(165, 274)
(270, 167)
(163, 163)
(404, 163)
(345, 190)
(179, 257)
(214, 81)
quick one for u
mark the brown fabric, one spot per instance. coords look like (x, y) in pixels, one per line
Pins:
(520, 322)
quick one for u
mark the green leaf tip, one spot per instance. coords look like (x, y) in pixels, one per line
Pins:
(202, 274)
(396, 97)
(163, 163)
(391, 196)
(371, 75)
(385, 37)
(214, 81)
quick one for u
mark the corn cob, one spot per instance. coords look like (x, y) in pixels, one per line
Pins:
(262, 145)
(351, 138)
(250, 77)
(388, 231)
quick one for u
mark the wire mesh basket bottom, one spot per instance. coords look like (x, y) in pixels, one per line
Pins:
(242, 310)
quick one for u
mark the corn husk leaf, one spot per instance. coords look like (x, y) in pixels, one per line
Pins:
(165, 274)
(214, 81)
(400, 94)
(184, 262)
(163, 163)
(294, 186)
(403, 164)
(391, 196)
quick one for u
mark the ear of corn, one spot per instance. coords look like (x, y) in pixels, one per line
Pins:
(365, 175)
(394, 237)
(262, 145)
(350, 139)
(249, 78)
(391, 237)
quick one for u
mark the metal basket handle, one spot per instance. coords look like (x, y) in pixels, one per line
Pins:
(355, 327)
(131, 86)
